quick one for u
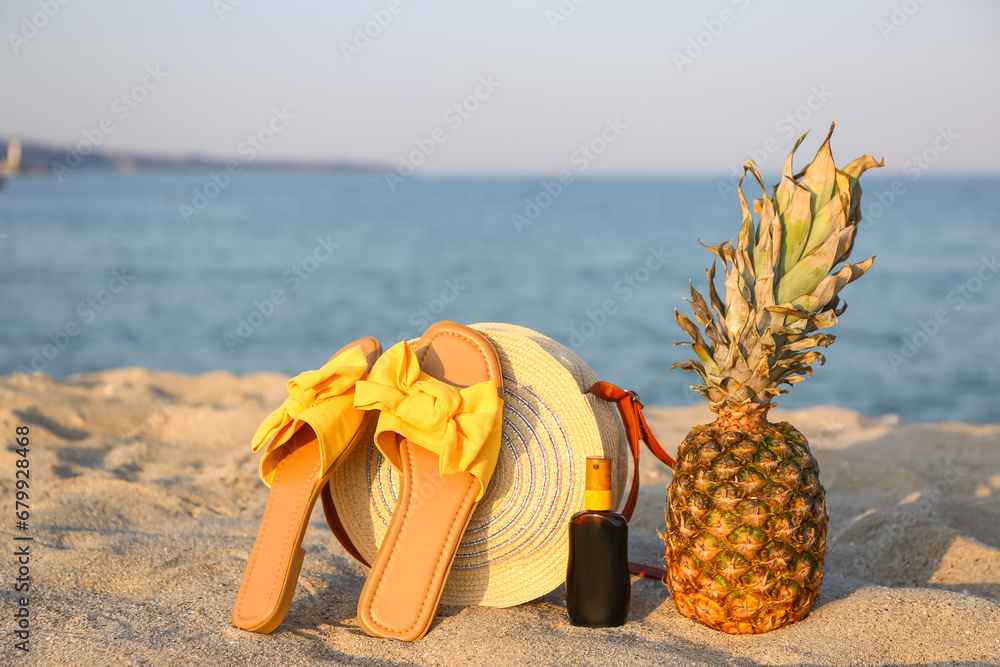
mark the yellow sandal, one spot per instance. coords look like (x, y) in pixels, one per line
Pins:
(304, 439)
(440, 425)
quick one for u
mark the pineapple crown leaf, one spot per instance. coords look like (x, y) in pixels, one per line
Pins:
(781, 286)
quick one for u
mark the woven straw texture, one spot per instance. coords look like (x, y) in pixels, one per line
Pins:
(516, 545)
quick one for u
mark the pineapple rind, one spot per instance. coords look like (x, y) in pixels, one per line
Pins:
(746, 527)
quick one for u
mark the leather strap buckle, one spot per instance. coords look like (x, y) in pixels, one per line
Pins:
(635, 397)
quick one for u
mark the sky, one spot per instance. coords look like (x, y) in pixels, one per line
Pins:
(522, 86)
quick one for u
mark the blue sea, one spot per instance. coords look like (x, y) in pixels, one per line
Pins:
(275, 271)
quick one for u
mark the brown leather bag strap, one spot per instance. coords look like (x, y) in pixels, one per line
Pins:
(648, 571)
(636, 429)
(337, 526)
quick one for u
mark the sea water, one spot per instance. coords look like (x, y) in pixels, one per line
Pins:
(177, 271)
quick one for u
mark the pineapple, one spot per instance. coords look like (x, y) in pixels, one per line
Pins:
(746, 515)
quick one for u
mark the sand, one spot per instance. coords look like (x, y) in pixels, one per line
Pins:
(145, 501)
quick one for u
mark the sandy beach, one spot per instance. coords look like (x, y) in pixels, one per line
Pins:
(145, 502)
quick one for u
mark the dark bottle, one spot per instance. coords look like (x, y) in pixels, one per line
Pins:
(598, 586)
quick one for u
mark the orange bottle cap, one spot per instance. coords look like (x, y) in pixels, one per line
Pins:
(598, 494)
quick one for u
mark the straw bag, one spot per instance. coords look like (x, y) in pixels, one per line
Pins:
(516, 546)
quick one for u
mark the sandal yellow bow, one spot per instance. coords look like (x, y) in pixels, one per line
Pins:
(322, 398)
(460, 425)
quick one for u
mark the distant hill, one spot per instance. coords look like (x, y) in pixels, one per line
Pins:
(38, 159)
